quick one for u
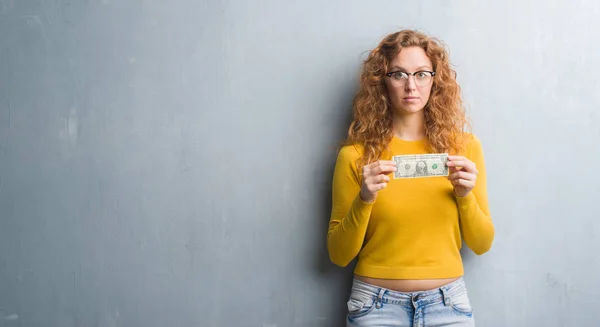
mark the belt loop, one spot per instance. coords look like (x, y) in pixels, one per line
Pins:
(379, 301)
(445, 296)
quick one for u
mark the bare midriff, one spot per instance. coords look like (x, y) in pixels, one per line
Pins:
(407, 285)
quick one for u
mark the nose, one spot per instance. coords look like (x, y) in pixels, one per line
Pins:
(410, 83)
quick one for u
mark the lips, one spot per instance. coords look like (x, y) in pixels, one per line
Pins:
(410, 98)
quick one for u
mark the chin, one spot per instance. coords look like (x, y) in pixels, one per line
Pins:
(409, 109)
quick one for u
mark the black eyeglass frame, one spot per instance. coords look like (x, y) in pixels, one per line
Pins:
(409, 74)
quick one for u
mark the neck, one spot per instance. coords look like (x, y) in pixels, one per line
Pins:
(409, 127)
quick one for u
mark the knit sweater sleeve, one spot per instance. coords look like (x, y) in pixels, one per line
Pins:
(349, 214)
(476, 223)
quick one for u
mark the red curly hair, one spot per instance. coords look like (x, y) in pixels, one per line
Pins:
(445, 117)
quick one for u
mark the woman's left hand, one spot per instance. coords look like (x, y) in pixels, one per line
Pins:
(463, 174)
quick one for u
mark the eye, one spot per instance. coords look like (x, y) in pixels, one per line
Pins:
(422, 75)
(399, 75)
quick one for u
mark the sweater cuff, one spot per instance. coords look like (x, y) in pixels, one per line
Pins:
(361, 208)
(359, 203)
(464, 202)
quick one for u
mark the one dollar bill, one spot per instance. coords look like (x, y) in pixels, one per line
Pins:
(421, 165)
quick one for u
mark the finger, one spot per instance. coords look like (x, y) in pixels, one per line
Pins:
(373, 180)
(467, 184)
(454, 169)
(380, 162)
(383, 169)
(388, 165)
(387, 162)
(377, 187)
(381, 186)
(453, 176)
(370, 166)
(462, 175)
(377, 179)
(459, 162)
(464, 183)
(463, 163)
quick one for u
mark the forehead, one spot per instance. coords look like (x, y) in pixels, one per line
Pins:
(411, 58)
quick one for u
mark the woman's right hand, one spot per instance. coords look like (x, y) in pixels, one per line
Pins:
(375, 178)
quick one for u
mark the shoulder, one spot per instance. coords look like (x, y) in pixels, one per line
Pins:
(471, 143)
(351, 152)
(348, 156)
(473, 149)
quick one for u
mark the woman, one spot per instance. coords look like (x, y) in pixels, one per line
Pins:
(407, 232)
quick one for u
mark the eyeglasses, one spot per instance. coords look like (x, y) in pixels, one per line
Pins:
(422, 77)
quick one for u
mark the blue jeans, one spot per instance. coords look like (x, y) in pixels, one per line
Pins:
(370, 305)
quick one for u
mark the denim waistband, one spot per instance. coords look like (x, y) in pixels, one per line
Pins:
(384, 295)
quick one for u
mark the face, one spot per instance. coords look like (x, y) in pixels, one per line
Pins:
(409, 95)
(421, 167)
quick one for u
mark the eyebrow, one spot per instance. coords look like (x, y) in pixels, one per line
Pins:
(396, 67)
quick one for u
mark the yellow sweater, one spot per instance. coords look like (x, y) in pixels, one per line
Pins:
(413, 229)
